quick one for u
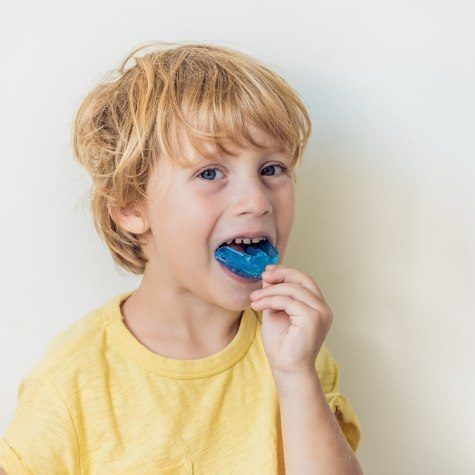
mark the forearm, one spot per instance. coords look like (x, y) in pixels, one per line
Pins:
(313, 441)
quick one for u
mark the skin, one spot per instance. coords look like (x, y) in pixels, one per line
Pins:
(189, 305)
(186, 306)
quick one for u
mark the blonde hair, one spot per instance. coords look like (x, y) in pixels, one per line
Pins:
(125, 123)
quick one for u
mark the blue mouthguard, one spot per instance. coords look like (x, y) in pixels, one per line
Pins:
(250, 263)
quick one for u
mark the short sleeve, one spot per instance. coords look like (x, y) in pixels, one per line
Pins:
(41, 438)
(329, 374)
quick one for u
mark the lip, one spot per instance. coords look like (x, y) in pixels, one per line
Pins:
(249, 234)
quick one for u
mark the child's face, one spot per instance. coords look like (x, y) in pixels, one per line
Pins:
(190, 213)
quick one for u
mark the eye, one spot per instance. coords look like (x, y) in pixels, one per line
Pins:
(206, 172)
(210, 173)
(284, 169)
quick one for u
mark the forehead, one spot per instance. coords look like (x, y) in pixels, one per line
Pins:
(211, 151)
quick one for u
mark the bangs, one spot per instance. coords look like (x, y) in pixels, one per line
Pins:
(212, 99)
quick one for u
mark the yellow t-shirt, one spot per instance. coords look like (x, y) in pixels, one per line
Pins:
(100, 402)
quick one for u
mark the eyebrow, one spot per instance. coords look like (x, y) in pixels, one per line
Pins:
(273, 150)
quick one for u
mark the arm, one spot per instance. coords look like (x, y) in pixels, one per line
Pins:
(313, 441)
(2, 472)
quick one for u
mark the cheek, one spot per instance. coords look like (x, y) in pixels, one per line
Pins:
(188, 212)
(201, 215)
(285, 212)
(286, 201)
(193, 226)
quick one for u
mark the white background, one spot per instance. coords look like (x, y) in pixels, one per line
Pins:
(385, 197)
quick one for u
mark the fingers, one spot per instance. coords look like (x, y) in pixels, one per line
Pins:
(298, 311)
(295, 291)
(289, 275)
(281, 302)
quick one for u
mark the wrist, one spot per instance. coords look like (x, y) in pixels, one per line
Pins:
(300, 382)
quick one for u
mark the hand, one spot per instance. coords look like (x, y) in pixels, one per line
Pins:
(295, 320)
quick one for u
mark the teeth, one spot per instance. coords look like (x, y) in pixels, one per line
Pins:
(245, 240)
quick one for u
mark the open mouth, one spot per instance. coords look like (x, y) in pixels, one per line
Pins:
(241, 247)
(247, 259)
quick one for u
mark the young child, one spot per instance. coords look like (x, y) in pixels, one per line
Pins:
(192, 372)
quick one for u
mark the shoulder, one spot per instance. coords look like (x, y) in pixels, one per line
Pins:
(77, 344)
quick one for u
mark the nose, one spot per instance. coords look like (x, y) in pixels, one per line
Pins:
(251, 196)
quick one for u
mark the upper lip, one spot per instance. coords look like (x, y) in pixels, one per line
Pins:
(249, 234)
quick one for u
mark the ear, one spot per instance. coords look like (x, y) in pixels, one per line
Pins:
(130, 217)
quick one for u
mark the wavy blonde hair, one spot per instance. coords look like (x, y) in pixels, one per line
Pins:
(125, 123)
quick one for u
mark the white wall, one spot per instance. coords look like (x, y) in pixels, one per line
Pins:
(385, 203)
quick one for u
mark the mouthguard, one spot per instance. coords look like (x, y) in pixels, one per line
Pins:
(251, 262)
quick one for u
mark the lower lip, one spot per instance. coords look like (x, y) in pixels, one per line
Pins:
(236, 277)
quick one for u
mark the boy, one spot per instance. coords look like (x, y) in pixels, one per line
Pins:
(190, 373)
